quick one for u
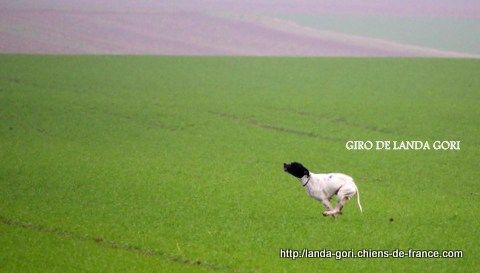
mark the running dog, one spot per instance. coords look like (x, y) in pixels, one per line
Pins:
(324, 186)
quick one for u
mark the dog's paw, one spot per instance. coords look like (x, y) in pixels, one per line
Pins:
(328, 213)
(332, 213)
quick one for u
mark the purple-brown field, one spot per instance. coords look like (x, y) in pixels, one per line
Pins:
(210, 28)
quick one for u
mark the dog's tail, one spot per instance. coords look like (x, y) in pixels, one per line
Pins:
(358, 200)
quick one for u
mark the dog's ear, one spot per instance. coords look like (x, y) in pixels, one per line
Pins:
(306, 172)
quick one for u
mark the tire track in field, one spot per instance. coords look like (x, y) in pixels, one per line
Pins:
(255, 123)
(333, 119)
(147, 252)
(23, 125)
(154, 123)
(131, 120)
(135, 120)
(20, 82)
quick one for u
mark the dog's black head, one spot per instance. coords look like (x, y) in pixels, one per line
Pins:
(296, 169)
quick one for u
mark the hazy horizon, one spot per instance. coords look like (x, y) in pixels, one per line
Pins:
(255, 28)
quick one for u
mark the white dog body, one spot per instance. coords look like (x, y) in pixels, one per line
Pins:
(324, 186)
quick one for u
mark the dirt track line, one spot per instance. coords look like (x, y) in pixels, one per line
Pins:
(256, 123)
(148, 252)
(333, 119)
(149, 124)
(17, 81)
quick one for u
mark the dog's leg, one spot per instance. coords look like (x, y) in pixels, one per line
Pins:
(333, 215)
(328, 206)
(342, 200)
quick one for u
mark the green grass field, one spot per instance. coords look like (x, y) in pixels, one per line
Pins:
(174, 164)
